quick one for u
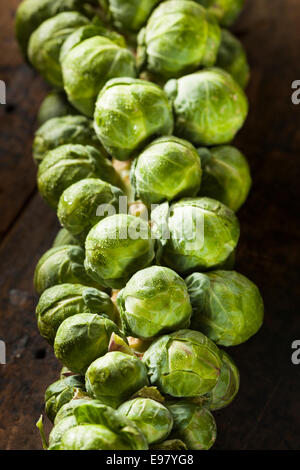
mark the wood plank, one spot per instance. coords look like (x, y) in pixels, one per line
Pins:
(31, 365)
(25, 90)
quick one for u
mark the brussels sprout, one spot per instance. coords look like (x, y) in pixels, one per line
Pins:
(87, 32)
(232, 58)
(180, 36)
(64, 237)
(67, 164)
(97, 437)
(61, 392)
(64, 130)
(81, 339)
(60, 265)
(116, 248)
(155, 300)
(78, 205)
(87, 67)
(225, 11)
(194, 424)
(46, 41)
(94, 412)
(227, 386)
(114, 377)
(226, 175)
(167, 169)
(129, 14)
(123, 431)
(54, 105)
(152, 418)
(67, 410)
(59, 430)
(183, 364)
(31, 13)
(170, 444)
(128, 113)
(209, 106)
(65, 300)
(193, 234)
(227, 306)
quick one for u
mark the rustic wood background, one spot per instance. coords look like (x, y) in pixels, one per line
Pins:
(266, 413)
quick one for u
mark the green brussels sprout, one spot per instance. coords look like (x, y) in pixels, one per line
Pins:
(64, 237)
(65, 300)
(78, 205)
(69, 163)
(54, 105)
(180, 36)
(99, 437)
(151, 417)
(95, 412)
(166, 169)
(183, 364)
(92, 412)
(129, 112)
(129, 15)
(61, 392)
(232, 58)
(194, 424)
(32, 13)
(227, 386)
(114, 378)
(87, 32)
(64, 130)
(226, 175)
(209, 106)
(59, 430)
(89, 65)
(170, 444)
(46, 41)
(155, 300)
(225, 11)
(116, 248)
(67, 410)
(227, 306)
(198, 233)
(60, 265)
(82, 338)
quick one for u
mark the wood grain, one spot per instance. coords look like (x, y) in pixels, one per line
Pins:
(25, 91)
(266, 413)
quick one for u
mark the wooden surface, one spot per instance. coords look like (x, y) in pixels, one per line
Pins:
(266, 413)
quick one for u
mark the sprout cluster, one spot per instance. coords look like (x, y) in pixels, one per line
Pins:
(134, 153)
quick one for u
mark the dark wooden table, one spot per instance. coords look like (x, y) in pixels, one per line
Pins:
(266, 413)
